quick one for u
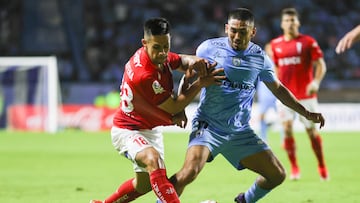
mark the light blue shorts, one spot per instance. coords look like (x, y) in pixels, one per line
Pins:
(234, 147)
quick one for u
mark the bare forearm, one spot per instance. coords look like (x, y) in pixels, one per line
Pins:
(289, 100)
(186, 95)
(189, 91)
(320, 70)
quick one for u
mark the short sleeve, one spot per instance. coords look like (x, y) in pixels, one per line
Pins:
(268, 74)
(174, 60)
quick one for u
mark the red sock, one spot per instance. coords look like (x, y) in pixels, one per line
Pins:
(163, 189)
(289, 145)
(125, 193)
(316, 144)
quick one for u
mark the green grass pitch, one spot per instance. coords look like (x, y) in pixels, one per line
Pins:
(75, 166)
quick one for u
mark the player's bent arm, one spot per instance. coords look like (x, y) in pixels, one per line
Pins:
(175, 105)
(320, 70)
(286, 97)
(289, 100)
(146, 109)
(193, 63)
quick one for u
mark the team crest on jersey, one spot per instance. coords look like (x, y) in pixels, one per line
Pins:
(236, 61)
(298, 47)
(157, 87)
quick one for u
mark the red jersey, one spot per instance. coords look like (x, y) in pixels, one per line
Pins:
(294, 62)
(143, 88)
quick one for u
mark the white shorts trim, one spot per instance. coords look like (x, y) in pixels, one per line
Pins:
(130, 142)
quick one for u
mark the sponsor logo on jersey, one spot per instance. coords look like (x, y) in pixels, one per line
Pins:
(218, 44)
(158, 89)
(294, 60)
(237, 85)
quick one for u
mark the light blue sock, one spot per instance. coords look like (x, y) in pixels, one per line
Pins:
(254, 193)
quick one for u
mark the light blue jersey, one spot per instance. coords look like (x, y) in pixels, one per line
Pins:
(227, 108)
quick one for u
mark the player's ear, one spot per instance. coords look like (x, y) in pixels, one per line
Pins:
(226, 27)
(253, 32)
(143, 42)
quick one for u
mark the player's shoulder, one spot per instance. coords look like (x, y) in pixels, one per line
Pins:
(255, 49)
(308, 40)
(139, 67)
(306, 37)
(215, 42)
(277, 40)
(210, 45)
(174, 58)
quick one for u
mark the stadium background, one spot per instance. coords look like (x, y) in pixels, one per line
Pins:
(93, 39)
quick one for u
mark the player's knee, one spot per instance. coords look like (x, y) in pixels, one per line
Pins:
(279, 177)
(150, 160)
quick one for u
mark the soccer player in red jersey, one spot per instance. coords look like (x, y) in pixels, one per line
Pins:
(147, 101)
(295, 54)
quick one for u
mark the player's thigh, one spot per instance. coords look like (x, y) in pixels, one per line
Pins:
(264, 163)
(131, 142)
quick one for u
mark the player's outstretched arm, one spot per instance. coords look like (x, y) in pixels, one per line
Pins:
(288, 99)
(348, 40)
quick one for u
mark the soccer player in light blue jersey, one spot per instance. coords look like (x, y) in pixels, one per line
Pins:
(221, 123)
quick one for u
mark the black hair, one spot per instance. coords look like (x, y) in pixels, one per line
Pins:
(243, 14)
(290, 11)
(156, 26)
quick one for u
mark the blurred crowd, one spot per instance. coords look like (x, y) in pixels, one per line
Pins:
(93, 39)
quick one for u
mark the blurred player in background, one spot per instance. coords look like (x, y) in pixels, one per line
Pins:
(221, 122)
(295, 55)
(2, 102)
(266, 102)
(348, 40)
(147, 102)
